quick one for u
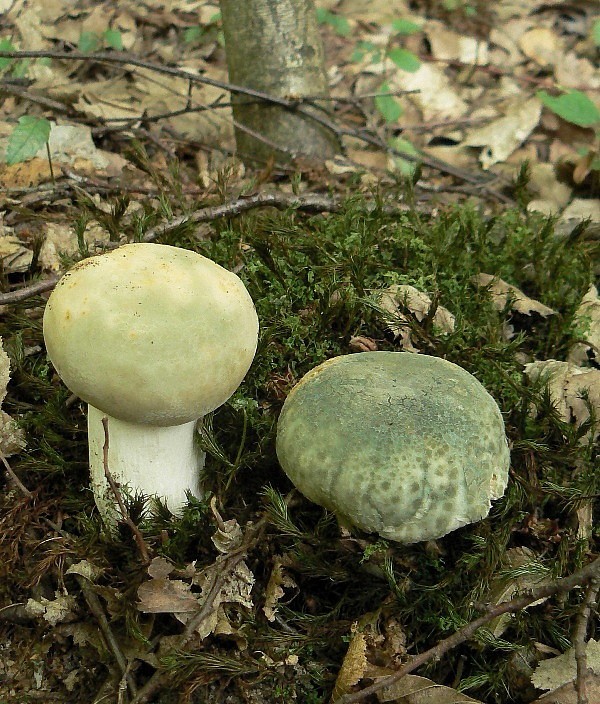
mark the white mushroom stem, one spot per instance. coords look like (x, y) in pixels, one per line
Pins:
(162, 461)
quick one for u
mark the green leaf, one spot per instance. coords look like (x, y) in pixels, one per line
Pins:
(404, 59)
(20, 68)
(405, 26)
(6, 45)
(28, 137)
(113, 38)
(596, 32)
(340, 24)
(193, 34)
(88, 42)
(574, 107)
(404, 166)
(387, 105)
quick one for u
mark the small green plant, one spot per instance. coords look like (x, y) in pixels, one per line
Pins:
(16, 69)
(574, 106)
(388, 105)
(92, 41)
(466, 8)
(27, 138)
(339, 24)
(204, 33)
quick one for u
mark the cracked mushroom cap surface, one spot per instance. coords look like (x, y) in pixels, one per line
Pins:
(151, 333)
(405, 445)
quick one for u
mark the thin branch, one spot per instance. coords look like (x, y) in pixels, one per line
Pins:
(137, 534)
(300, 106)
(124, 59)
(579, 640)
(22, 294)
(580, 578)
(310, 204)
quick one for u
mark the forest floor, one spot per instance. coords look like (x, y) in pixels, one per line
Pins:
(462, 221)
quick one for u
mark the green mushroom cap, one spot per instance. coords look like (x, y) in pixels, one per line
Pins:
(404, 445)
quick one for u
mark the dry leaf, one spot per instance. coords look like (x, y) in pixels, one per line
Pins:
(58, 610)
(587, 321)
(278, 581)
(553, 673)
(447, 45)
(85, 569)
(228, 535)
(566, 383)
(236, 589)
(398, 296)
(567, 694)
(503, 589)
(354, 665)
(541, 45)
(160, 568)
(544, 184)
(436, 98)
(413, 689)
(12, 438)
(362, 343)
(166, 596)
(504, 294)
(502, 136)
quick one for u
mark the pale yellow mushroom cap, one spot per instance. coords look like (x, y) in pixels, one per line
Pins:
(151, 333)
(404, 445)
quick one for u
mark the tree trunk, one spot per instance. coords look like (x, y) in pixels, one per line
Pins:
(274, 46)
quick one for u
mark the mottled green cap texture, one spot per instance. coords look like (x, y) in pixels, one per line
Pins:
(405, 445)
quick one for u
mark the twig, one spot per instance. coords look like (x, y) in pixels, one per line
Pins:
(137, 534)
(299, 106)
(579, 640)
(310, 204)
(124, 59)
(584, 576)
(13, 477)
(21, 294)
(95, 607)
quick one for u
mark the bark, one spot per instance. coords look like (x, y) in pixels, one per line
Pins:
(274, 46)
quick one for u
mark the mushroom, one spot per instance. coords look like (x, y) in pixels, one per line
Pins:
(153, 337)
(405, 445)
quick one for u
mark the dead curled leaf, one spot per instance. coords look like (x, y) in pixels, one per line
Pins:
(503, 589)
(354, 665)
(558, 674)
(504, 294)
(278, 581)
(181, 597)
(413, 689)
(567, 384)
(362, 344)
(398, 296)
(587, 320)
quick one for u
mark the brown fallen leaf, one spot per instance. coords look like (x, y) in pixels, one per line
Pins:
(353, 666)
(278, 581)
(503, 589)
(567, 383)
(166, 596)
(504, 294)
(558, 674)
(403, 296)
(587, 324)
(413, 689)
